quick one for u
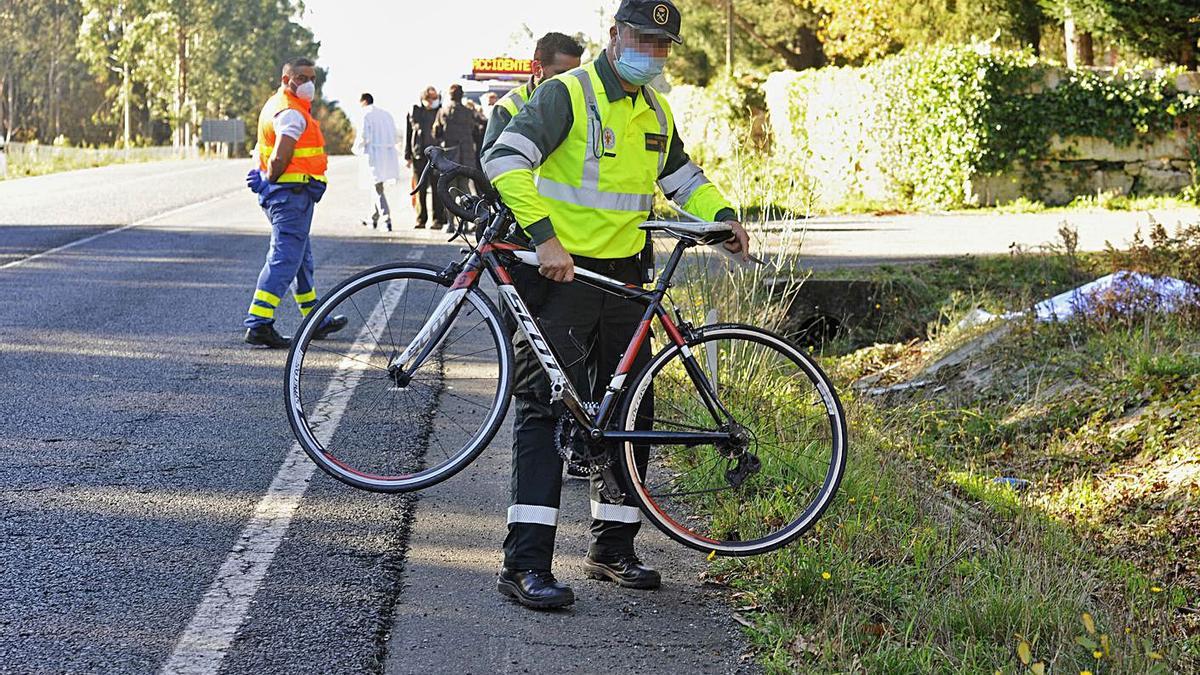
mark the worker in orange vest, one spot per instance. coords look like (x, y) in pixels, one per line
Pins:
(289, 181)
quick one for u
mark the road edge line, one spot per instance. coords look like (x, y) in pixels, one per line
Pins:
(225, 606)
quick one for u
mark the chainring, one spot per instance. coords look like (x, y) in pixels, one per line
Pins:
(568, 437)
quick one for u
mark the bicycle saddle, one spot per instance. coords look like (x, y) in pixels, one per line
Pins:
(704, 233)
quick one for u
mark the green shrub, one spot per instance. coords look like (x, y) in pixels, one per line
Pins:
(916, 128)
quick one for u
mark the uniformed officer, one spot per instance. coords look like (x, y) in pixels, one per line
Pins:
(554, 54)
(289, 181)
(578, 167)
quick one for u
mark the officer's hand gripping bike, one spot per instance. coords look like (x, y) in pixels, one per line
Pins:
(731, 439)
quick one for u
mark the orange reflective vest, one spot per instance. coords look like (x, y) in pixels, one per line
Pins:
(308, 160)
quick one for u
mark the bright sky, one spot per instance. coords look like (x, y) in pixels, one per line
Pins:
(393, 49)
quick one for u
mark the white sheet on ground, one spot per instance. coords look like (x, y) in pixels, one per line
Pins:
(1124, 290)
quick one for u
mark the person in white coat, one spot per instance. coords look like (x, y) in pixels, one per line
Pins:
(376, 144)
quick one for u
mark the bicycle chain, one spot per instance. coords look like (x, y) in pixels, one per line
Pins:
(564, 439)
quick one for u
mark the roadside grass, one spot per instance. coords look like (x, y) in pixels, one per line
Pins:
(43, 160)
(1101, 201)
(768, 186)
(919, 301)
(925, 563)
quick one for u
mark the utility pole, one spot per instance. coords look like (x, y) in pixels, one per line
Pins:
(729, 37)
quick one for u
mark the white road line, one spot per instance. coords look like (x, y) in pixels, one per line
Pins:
(225, 606)
(137, 223)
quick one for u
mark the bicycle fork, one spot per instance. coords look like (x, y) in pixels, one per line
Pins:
(428, 339)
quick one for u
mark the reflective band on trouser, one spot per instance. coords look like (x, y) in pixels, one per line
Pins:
(592, 198)
(680, 185)
(617, 513)
(306, 301)
(264, 304)
(530, 513)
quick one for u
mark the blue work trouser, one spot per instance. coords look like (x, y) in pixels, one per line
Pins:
(289, 259)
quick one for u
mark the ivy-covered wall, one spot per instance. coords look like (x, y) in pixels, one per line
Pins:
(961, 126)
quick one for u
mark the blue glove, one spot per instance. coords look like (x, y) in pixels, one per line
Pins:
(257, 181)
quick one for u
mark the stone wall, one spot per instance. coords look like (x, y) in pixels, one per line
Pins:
(1087, 166)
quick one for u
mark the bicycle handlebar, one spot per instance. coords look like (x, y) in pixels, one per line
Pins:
(449, 170)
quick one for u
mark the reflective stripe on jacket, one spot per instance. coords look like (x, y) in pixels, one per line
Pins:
(309, 161)
(515, 100)
(581, 160)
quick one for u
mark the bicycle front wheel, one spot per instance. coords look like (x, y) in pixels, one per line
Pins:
(366, 427)
(736, 500)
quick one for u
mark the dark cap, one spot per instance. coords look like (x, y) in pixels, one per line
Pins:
(656, 17)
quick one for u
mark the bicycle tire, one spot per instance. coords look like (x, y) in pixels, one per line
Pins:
(413, 429)
(722, 519)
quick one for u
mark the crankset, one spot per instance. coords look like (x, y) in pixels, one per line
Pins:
(576, 449)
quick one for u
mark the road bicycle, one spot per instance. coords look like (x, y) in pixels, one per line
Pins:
(743, 452)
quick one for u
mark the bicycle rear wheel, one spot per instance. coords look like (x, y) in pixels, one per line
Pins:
(369, 430)
(724, 499)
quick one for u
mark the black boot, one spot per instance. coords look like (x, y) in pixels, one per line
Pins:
(332, 325)
(266, 336)
(534, 588)
(389, 224)
(626, 570)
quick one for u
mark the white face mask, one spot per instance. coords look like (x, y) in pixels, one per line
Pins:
(306, 91)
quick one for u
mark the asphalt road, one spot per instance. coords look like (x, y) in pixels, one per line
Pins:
(139, 439)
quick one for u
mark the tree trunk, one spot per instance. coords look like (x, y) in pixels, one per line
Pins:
(809, 51)
(52, 77)
(181, 85)
(1071, 40)
(4, 126)
(14, 119)
(126, 94)
(794, 60)
(52, 133)
(1086, 50)
(729, 38)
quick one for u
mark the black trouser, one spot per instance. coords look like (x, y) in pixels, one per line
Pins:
(590, 330)
(439, 215)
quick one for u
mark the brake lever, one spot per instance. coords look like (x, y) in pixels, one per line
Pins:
(423, 182)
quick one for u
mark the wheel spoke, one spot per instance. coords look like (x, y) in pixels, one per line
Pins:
(405, 435)
(769, 391)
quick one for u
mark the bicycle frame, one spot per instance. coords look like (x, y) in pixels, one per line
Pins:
(490, 256)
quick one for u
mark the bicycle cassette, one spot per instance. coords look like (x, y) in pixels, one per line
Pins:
(576, 450)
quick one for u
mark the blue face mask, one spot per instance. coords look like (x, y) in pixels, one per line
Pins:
(637, 67)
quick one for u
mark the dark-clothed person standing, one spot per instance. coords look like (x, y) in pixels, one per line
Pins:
(578, 166)
(289, 181)
(418, 137)
(456, 127)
